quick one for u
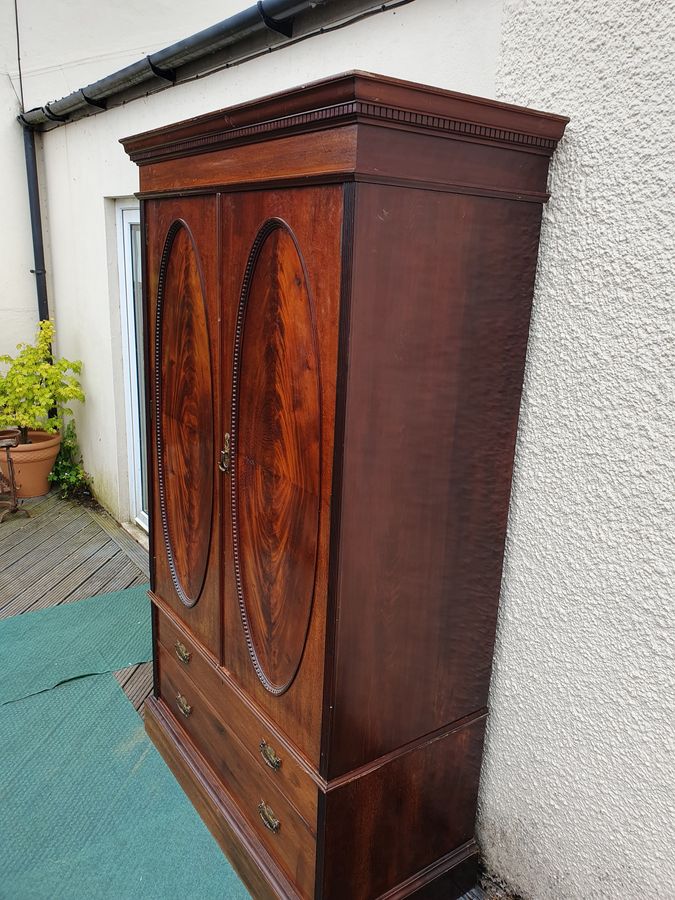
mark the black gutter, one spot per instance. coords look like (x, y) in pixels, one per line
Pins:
(36, 223)
(158, 70)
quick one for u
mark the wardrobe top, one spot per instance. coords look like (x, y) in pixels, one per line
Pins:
(352, 97)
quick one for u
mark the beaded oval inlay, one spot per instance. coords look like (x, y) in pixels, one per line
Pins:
(276, 437)
(184, 414)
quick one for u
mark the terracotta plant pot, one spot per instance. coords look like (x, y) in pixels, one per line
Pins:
(33, 462)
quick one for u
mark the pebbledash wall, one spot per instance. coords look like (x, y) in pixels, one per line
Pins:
(578, 784)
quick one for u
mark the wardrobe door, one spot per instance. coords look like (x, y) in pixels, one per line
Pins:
(281, 279)
(182, 350)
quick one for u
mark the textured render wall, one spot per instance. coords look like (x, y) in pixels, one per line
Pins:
(85, 164)
(578, 787)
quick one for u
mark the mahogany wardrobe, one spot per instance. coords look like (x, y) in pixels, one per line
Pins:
(338, 282)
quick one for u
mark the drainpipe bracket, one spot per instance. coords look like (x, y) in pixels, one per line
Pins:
(284, 26)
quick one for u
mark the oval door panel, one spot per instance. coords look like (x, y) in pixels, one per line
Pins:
(276, 429)
(185, 427)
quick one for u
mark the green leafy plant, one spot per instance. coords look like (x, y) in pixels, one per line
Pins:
(68, 474)
(36, 388)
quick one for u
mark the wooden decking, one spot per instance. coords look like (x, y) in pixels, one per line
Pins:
(65, 552)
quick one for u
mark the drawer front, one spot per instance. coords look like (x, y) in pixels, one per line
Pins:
(271, 754)
(279, 827)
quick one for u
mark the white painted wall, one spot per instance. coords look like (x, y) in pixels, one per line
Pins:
(63, 47)
(85, 164)
(577, 797)
(18, 303)
(578, 787)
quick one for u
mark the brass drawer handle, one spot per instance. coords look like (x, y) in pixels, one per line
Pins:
(269, 755)
(182, 652)
(269, 819)
(183, 705)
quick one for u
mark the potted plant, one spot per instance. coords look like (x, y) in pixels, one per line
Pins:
(34, 393)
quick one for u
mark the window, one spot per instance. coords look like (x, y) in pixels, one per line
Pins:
(131, 306)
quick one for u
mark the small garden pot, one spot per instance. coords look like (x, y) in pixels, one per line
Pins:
(33, 462)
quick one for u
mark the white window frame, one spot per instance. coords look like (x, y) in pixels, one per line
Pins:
(128, 213)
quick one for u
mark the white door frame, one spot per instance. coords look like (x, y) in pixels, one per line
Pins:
(128, 213)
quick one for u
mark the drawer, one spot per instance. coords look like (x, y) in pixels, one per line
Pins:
(182, 647)
(271, 753)
(272, 817)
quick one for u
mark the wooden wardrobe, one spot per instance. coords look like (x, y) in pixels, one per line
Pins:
(338, 282)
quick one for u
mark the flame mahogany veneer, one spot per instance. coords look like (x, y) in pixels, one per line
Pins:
(338, 282)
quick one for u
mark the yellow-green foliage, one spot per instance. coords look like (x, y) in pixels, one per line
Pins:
(35, 383)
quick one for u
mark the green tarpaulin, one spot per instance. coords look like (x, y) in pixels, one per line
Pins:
(90, 810)
(42, 649)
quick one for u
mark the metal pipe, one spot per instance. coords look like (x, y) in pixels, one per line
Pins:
(36, 223)
(272, 15)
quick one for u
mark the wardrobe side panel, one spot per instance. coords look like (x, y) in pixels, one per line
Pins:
(388, 828)
(441, 296)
